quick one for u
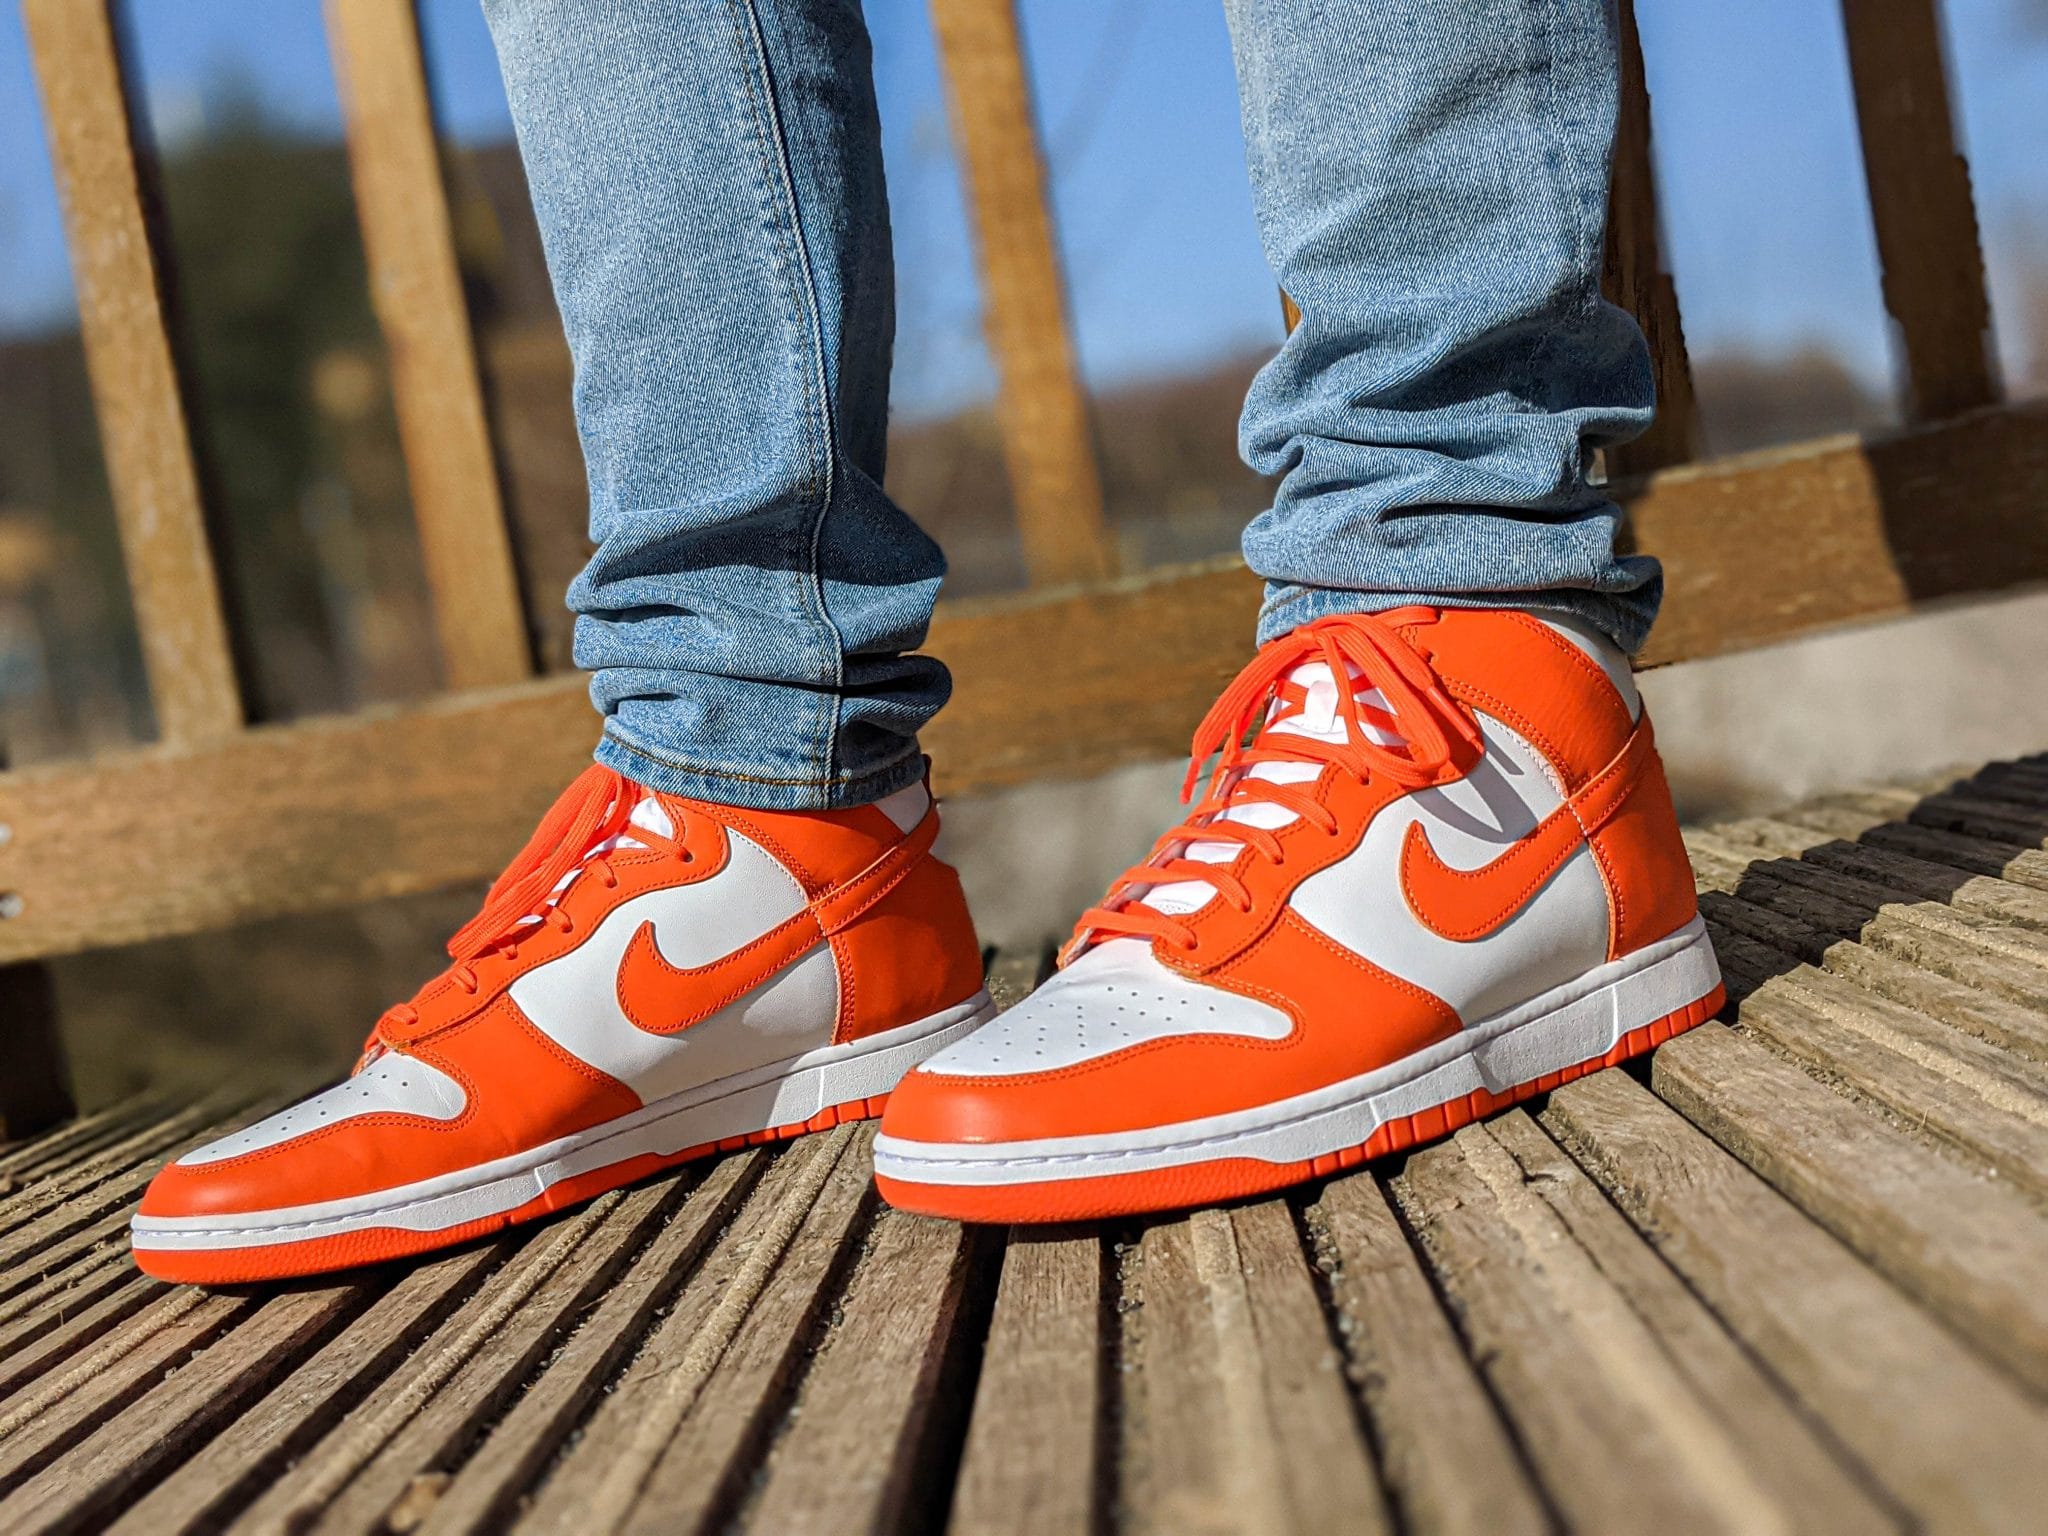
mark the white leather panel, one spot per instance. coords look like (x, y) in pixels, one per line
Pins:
(392, 1084)
(575, 1001)
(1116, 995)
(1561, 933)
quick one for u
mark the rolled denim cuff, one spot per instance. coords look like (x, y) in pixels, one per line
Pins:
(1624, 617)
(723, 782)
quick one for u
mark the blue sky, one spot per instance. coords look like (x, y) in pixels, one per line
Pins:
(1755, 139)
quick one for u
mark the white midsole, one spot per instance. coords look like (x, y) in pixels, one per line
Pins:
(1578, 1022)
(780, 1093)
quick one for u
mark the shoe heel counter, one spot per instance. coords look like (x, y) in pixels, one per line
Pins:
(1650, 891)
(910, 955)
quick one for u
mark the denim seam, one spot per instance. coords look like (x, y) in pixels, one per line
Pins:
(817, 386)
(685, 765)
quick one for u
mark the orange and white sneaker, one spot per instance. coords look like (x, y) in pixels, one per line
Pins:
(1443, 875)
(653, 978)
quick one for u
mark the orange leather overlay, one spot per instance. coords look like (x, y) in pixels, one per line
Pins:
(522, 1090)
(1469, 904)
(1525, 674)
(662, 998)
(1350, 1017)
(821, 848)
(1650, 890)
(1529, 677)
(908, 956)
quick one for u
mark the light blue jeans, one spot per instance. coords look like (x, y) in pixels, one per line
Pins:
(1430, 182)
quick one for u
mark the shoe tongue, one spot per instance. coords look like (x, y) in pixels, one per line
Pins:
(648, 813)
(1316, 717)
(653, 815)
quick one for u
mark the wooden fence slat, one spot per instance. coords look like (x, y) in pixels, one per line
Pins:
(178, 611)
(1920, 204)
(417, 289)
(1636, 278)
(1054, 482)
(1944, 1433)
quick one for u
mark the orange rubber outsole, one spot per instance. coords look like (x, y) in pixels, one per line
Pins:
(375, 1245)
(1234, 1178)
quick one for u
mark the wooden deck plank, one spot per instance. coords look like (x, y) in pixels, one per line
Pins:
(1201, 1453)
(859, 1446)
(1796, 1291)
(517, 1447)
(447, 1423)
(25, 1162)
(1450, 1465)
(1034, 1455)
(1972, 1250)
(1817, 1487)
(695, 1473)
(193, 1402)
(41, 1345)
(1977, 816)
(58, 1411)
(2010, 1026)
(1983, 1102)
(229, 1469)
(1282, 1375)
(83, 1184)
(1609, 1420)
(306, 1488)
(1952, 1440)
(1903, 874)
(595, 1485)
(1207, 1446)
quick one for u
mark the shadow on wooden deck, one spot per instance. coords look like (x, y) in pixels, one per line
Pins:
(1786, 1275)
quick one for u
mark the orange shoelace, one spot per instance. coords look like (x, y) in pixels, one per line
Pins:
(596, 808)
(1367, 649)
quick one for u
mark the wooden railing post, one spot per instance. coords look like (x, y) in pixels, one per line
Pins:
(1054, 481)
(1920, 205)
(1636, 278)
(417, 290)
(178, 610)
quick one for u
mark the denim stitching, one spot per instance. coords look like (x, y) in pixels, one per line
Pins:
(817, 389)
(612, 738)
